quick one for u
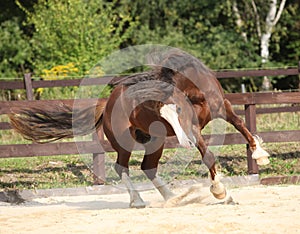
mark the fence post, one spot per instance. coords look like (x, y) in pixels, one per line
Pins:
(99, 161)
(28, 86)
(250, 119)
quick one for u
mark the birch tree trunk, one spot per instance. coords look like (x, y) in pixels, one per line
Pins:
(271, 20)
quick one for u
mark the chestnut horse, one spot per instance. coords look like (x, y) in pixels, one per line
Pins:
(146, 109)
(199, 84)
(179, 96)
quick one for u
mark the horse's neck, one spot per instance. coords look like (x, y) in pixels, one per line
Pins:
(198, 84)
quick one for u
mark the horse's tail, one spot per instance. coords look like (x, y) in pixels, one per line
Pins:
(41, 126)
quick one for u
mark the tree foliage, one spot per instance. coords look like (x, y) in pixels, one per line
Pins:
(15, 49)
(43, 34)
(76, 31)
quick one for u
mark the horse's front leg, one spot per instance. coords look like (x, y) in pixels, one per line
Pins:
(217, 188)
(153, 152)
(161, 186)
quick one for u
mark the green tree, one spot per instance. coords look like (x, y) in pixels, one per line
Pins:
(15, 51)
(272, 28)
(76, 31)
(224, 34)
(203, 28)
(288, 39)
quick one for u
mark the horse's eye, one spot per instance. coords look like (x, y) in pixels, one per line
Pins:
(178, 110)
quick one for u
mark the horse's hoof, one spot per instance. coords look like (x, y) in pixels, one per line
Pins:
(138, 205)
(259, 154)
(263, 161)
(219, 196)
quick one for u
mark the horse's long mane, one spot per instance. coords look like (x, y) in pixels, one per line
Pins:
(156, 85)
(163, 74)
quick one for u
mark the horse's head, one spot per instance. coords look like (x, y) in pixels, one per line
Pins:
(179, 112)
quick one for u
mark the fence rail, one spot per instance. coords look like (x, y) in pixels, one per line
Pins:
(248, 100)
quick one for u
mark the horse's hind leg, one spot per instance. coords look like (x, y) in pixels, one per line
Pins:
(135, 199)
(239, 124)
(254, 141)
(122, 169)
(153, 152)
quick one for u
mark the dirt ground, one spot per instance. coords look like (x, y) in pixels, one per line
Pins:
(260, 209)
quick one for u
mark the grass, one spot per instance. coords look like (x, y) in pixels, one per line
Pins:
(44, 172)
(73, 170)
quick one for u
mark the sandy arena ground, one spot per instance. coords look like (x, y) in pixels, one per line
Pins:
(260, 209)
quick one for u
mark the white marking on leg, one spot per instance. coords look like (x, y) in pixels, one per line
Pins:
(168, 112)
(217, 188)
(259, 154)
(135, 200)
(162, 188)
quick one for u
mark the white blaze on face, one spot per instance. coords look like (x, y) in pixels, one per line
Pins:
(168, 112)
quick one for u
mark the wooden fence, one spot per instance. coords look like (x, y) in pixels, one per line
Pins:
(248, 100)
